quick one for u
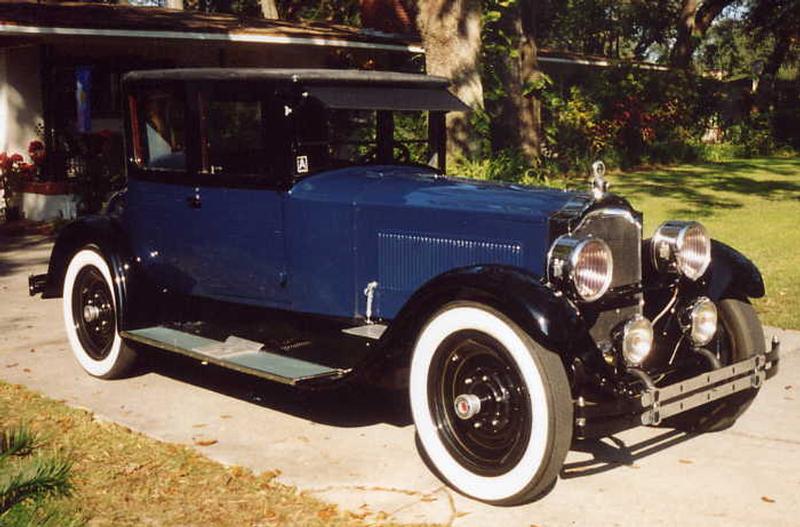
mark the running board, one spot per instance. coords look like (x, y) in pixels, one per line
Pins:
(235, 353)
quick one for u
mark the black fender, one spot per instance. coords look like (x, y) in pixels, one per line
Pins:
(547, 317)
(731, 274)
(131, 288)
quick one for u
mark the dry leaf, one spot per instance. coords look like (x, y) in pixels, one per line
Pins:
(14, 365)
(205, 442)
(767, 499)
(685, 461)
(327, 512)
(26, 370)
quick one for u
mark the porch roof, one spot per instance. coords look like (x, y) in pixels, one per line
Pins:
(76, 19)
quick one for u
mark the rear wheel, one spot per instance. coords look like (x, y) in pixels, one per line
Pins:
(739, 337)
(492, 408)
(90, 317)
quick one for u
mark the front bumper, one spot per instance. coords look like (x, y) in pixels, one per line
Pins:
(655, 404)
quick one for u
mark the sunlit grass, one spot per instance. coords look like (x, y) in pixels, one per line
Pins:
(750, 204)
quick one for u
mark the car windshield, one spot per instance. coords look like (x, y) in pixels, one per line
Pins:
(335, 138)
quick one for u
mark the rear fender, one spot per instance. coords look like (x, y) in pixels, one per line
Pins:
(132, 290)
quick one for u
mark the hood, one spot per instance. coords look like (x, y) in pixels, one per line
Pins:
(418, 187)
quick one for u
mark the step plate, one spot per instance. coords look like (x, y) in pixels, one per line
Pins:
(234, 353)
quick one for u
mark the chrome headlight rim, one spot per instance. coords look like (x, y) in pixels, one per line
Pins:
(636, 325)
(564, 261)
(669, 249)
(695, 326)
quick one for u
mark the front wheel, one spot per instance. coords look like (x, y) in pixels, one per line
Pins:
(90, 317)
(492, 408)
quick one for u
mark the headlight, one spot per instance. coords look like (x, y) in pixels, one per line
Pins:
(682, 246)
(583, 265)
(637, 340)
(701, 320)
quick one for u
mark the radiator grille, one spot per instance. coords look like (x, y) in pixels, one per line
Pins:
(623, 234)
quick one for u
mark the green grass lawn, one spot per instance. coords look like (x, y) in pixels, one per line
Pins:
(750, 204)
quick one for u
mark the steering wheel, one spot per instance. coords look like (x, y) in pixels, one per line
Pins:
(405, 153)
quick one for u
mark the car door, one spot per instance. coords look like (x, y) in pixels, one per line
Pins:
(239, 202)
(158, 218)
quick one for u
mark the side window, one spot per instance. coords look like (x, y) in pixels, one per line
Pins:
(163, 131)
(236, 137)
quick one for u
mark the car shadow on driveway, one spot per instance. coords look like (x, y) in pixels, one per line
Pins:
(348, 405)
(612, 452)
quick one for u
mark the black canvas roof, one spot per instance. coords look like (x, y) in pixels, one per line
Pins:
(355, 89)
(304, 76)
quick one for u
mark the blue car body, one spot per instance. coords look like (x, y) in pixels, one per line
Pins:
(315, 247)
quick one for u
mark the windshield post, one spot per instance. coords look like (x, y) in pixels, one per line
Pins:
(437, 141)
(385, 137)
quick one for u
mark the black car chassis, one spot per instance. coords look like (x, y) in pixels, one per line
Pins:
(654, 404)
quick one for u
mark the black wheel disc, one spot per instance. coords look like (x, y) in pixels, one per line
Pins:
(490, 430)
(93, 312)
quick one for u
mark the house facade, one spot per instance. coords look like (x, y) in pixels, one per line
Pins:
(60, 65)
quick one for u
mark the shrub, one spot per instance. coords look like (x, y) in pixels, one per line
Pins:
(29, 481)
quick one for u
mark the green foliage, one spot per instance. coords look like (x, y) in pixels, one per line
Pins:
(508, 166)
(29, 481)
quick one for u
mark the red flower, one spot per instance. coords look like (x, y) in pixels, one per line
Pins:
(35, 146)
(16, 158)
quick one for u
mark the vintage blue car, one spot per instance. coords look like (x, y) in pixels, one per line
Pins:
(298, 225)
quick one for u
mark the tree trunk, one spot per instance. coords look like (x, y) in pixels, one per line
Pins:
(269, 10)
(451, 32)
(695, 19)
(516, 115)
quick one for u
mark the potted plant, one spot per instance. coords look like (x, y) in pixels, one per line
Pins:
(13, 171)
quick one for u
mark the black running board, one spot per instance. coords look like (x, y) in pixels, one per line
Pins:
(236, 354)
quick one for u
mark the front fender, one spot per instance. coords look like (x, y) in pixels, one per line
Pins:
(547, 317)
(732, 274)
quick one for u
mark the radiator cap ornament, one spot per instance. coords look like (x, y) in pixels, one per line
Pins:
(599, 182)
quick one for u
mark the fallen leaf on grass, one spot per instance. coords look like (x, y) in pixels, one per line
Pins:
(26, 370)
(327, 512)
(767, 499)
(205, 442)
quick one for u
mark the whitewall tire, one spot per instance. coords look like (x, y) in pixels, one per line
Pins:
(90, 317)
(492, 408)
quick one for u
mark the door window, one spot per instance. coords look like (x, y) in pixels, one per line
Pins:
(236, 137)
(164, 131)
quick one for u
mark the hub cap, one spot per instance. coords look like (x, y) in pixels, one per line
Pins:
(93, 312)
(479, 403)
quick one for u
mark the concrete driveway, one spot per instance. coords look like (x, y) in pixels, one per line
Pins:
(357, 448)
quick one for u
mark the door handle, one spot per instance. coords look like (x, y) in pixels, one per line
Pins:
(194, 201)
